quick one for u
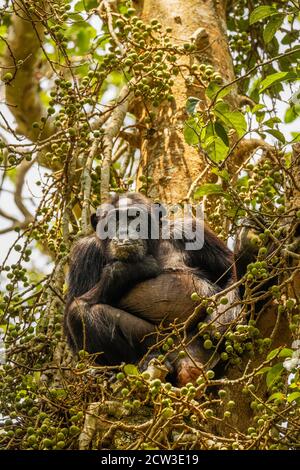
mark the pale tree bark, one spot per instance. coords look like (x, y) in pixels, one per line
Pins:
(165, 156)
(25, 38)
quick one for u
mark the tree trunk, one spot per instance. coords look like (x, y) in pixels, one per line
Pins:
(165, 156)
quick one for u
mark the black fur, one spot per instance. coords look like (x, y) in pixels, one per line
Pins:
(118, 277)
(97, 281)
(214, 260)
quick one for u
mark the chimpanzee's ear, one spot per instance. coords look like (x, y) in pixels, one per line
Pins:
(161, 210)
(94, 221)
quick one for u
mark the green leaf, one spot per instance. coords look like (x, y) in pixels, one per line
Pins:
(221, 132)
(262, 12)
(263, 370)
(232, 119)
(216, 149)
(293, 397)
(277, 134)
(12, 174)
(272, 26)
(91, 4)
(213, 90)
(207, 189)
(273, 354)
(292, 113)
(290, 37)
(253, 91)
(276, 395)
(257, 107)
(222, 173)
(192, 131)
(36, 376)
(286, 352)
(191, 104)
(276, 77)
(131, 369)
(274, 374)
(243, 181)
(214, 145)
(116, 78)
(59, 392)
(295, 136)
(86, 5)
(272, 121)
(79, 6)
(83, 41)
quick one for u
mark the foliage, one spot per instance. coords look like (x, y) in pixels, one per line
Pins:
(90, 51)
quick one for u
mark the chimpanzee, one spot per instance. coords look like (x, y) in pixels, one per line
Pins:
(125, 286)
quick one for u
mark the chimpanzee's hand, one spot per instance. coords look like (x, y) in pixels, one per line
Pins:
(148, 267)
(119, 277)
(132, 272)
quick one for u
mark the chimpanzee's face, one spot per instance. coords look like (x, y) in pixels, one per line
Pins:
(124, 230)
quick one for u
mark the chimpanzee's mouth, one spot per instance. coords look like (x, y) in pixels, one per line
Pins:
(128, 250)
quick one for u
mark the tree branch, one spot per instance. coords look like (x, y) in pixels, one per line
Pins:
(111, 131)
(20, 178)
(25, 38)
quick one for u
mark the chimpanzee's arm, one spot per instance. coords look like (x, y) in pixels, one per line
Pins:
(214, 259)
(119, 277)
(114, 334)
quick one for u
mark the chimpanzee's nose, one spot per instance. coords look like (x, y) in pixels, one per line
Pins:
(126, 241)
(121, 241)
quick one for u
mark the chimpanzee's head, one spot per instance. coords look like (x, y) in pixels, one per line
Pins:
(128, 227)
